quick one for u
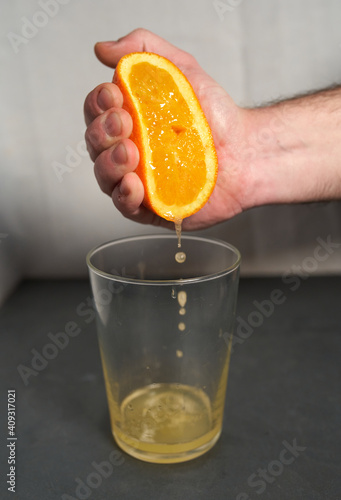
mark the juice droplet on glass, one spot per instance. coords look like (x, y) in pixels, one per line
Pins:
(182, 298)
(181, 326)
(182, 311)
(180, 257)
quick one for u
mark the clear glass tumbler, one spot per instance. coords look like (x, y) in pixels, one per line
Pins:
(165, 331)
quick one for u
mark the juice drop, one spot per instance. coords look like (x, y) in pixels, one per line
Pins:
(182, 298)
(180, 257)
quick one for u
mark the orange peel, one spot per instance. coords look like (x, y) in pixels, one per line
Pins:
(178, 162)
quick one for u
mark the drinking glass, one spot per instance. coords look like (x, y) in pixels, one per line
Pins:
(165, 329)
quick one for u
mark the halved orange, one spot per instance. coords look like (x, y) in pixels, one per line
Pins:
(178, 162)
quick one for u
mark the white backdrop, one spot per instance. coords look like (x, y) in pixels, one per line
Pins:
(257, 50)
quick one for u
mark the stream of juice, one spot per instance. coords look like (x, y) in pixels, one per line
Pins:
(180, 257)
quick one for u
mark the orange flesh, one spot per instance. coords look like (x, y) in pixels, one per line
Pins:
(172, 140)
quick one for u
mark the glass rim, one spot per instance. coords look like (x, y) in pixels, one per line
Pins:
(180, 281)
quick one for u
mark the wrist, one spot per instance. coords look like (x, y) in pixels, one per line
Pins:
(274, 159)
(291, 151)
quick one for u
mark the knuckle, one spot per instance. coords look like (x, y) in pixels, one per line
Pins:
(140, 32)
(93, 136)
(189, 61)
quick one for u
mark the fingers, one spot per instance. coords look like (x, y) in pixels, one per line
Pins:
(115, 156)
(114, 163)
(140, 40)
(128, 197)
(124, 186)
(102, 98)
(107, 129)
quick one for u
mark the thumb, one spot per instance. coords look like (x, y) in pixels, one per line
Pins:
(141, 40)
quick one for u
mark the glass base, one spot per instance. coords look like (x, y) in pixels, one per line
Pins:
(166, 423)
(172, 457)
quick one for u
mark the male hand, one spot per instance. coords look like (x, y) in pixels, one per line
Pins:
(116, 156)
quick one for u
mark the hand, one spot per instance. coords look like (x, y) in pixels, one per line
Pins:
(116, 156)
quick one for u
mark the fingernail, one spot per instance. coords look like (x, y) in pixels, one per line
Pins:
(123, 189)
(104, 99)
(113, 125)
(119, 154)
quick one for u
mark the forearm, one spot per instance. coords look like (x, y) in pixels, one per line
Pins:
(293, 150)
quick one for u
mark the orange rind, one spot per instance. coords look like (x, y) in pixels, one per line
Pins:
(178, 161)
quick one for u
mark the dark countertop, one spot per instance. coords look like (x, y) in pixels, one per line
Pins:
(282, 425)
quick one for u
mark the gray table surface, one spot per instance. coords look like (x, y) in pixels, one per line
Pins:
(282, 425)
